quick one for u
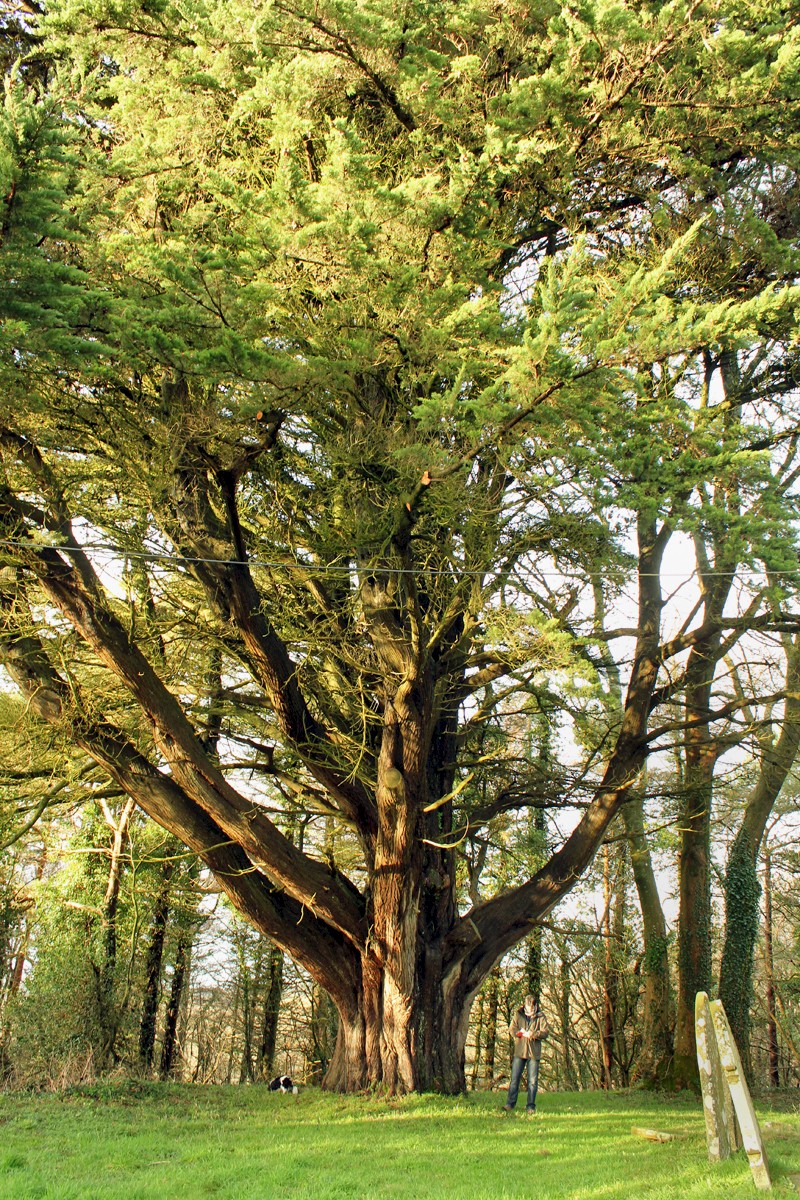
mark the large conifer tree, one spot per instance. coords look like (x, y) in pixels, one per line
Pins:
(339, 322)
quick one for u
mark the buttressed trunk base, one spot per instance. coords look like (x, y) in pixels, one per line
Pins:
(400, 1044)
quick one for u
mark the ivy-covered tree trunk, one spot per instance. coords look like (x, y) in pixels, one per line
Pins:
(773, 1045)
(716, 565)
(742, 918)
(741, 885)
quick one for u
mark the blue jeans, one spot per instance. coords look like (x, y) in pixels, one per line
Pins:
(517, 1067)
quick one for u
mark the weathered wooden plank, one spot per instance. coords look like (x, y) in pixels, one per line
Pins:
(740, 1093)
(717, 1107)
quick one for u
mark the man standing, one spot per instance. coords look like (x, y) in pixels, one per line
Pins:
(528, 1029)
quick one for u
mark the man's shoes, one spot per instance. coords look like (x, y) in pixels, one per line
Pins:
(530, 1112)
(508, 1108)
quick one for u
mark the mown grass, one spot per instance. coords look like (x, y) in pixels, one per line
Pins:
(162, 1142)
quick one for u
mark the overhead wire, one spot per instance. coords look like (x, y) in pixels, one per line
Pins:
(157, 556)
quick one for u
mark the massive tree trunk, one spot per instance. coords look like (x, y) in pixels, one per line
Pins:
(377, 1048)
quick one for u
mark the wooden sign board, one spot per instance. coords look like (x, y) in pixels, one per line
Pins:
(740, 1094)
(725, 1091)
(713, 1084)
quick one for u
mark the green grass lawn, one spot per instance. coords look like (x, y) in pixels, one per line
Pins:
(161, 1142)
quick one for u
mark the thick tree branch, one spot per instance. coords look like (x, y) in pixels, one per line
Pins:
(493, 927)
(231, 590)
(326, 953)
(331, 896)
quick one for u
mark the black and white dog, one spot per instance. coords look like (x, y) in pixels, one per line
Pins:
(282, 1083)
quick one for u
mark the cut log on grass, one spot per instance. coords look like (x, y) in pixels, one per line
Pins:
(655, 1135)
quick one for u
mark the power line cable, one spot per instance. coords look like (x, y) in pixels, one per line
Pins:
(342, 568)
